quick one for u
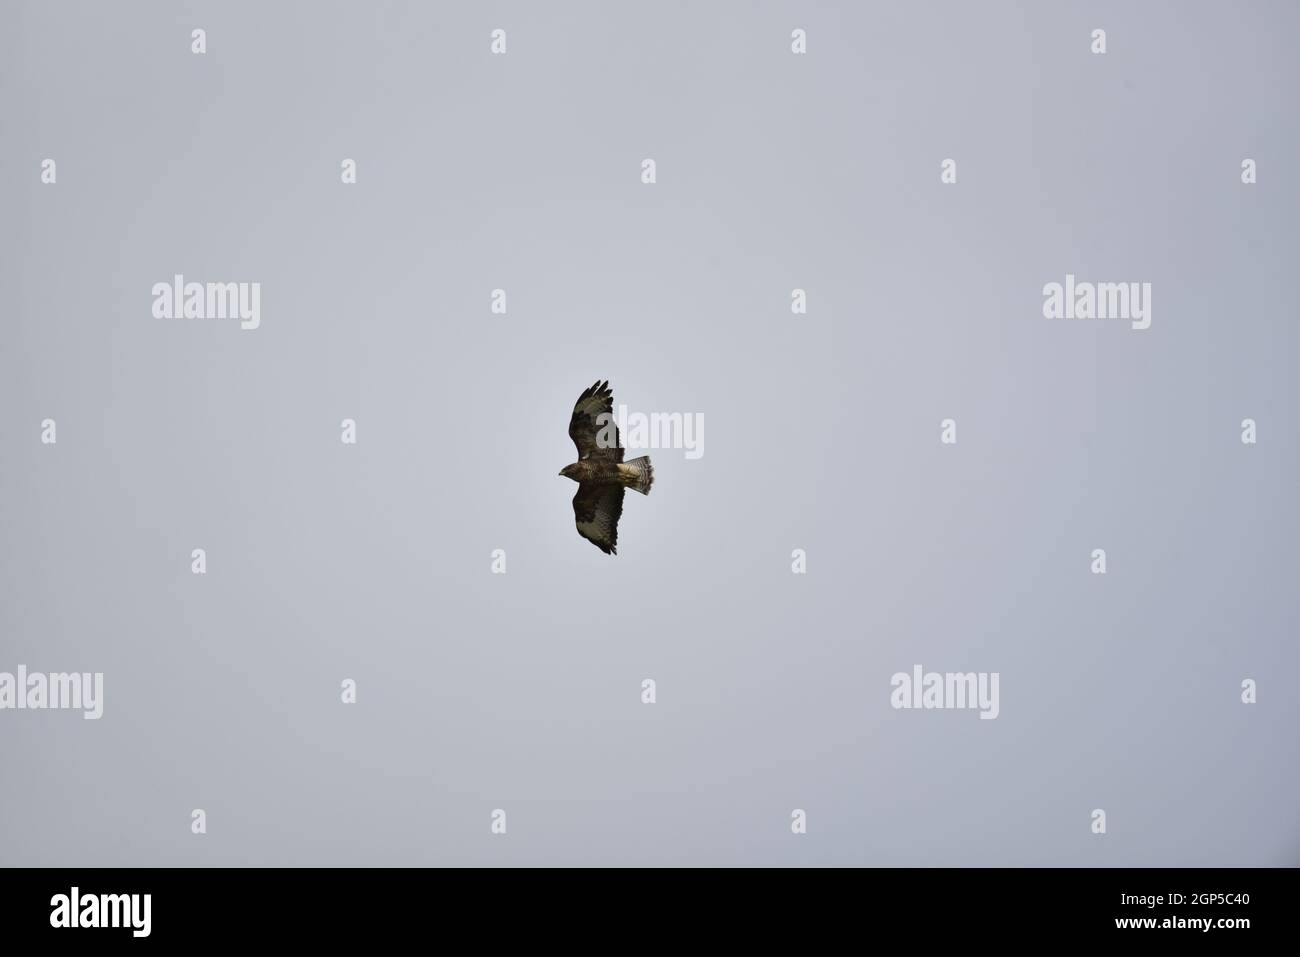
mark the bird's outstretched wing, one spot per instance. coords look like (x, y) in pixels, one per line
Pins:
(584, 428)
(596, 510)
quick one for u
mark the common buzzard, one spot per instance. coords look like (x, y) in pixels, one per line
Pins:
(600, 471)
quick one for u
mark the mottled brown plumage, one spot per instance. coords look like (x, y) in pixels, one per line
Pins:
(600, 471)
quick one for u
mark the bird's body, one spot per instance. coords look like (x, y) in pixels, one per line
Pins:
(600, 471)
(627, 474)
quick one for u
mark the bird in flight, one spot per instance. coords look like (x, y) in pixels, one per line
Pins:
(600, 471)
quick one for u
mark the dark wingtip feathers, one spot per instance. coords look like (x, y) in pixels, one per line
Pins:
(597, 390)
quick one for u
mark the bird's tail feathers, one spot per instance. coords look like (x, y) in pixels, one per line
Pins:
(640, 475)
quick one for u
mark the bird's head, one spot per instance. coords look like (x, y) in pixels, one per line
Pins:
(570, 471)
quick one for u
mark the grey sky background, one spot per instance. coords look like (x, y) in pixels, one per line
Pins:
(521, 691)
